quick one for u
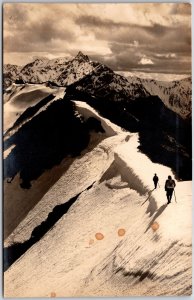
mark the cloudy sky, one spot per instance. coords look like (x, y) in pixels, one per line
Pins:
(129, 37)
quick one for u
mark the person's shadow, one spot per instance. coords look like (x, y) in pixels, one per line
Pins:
(159, 212)
(149, 195)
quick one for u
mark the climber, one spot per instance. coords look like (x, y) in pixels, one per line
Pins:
(169, 188)
(155, 180)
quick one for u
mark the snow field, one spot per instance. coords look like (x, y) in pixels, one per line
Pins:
(30, 94)
(70, 261)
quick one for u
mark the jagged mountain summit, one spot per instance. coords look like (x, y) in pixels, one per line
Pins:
(127, 103)
(82, 57)
(103, 82)
(78, 162)
(64, 73)
(59, 71)
(176, 95)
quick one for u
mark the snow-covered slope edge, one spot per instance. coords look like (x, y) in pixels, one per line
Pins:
(70, 261)
(19, 97)
(95, 161)
(176, 95)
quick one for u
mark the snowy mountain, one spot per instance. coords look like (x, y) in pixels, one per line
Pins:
(175, 94)
(101, 229)
(63, 73)
(103, 82)
(19, 98)
(133, 103)
(81, 145)
(162, 131)
(59, 71)
(10, 74)
(38, 138)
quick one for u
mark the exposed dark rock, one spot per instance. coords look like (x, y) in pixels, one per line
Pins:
(13, 252)
(164, 136)
(46, 140)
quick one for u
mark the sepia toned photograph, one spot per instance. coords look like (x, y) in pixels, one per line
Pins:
(97, 157)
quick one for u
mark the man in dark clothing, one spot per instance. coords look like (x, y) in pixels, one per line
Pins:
(169, 188)
(155, 180)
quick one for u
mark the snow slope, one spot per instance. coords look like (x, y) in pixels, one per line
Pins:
(64, 73)
(102, 82)
(19, 97)
(60, 71)
(114, 191)
(176, 94)
(99, 80)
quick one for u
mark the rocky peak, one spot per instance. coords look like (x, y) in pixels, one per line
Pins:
(81, 57)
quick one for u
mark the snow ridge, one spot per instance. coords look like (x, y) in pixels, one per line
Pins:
(100, 79)
(142, 262)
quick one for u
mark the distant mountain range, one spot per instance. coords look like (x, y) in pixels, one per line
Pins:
(176, 95)
(159, 111)
(59, 71)
(81, 146)
(165, 136)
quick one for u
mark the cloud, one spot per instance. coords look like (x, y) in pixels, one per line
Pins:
(167, 55)
(145, 61)
(124, 36)
(94, 21)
